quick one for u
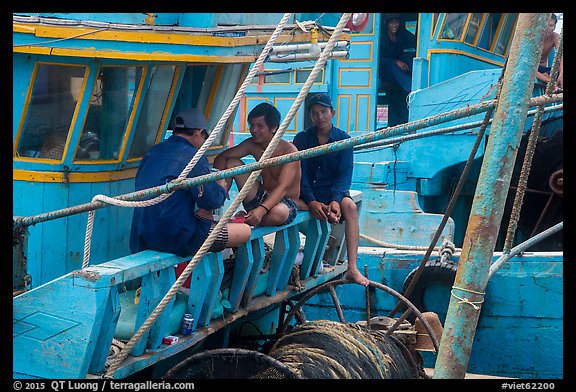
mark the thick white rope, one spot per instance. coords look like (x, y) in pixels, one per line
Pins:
(236, 202)
(199, 153)
(232, 208)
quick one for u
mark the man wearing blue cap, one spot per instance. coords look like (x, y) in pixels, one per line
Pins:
(326, 179)
(176, 225)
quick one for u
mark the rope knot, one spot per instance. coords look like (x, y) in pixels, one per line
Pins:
(466, 300)
(447, 250)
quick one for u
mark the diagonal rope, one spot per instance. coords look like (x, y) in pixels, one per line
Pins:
(241, 195)
(207, 143)
(454, 197)
(529, 154)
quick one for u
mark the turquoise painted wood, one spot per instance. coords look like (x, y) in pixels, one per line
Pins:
(513, 325)
(244, 261)
(259, 255)
(109, 321)
(50, 323)
(313, 232)
(325, 230)
(292, 251)
(50, 316)
(199, 284)
(277, 261)
(216, 267)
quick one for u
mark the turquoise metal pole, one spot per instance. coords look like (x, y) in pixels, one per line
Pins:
(488, 205)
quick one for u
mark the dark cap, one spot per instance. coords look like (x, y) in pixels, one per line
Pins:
(392, 16)
(190, 119)
(320, 98)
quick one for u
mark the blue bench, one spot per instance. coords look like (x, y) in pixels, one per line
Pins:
(64, 329)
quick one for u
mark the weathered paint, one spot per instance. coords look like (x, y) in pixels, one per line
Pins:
(491, 193)
(508, 341)
(45, 317)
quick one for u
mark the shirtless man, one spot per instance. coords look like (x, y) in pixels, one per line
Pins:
(551, 40)
(270, 202)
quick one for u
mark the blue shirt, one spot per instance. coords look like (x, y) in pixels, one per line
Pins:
(170, 226)
(326, 177)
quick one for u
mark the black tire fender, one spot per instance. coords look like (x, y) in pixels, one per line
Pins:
(434, 272)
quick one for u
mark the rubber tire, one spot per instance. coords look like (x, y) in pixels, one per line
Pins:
(435, 271)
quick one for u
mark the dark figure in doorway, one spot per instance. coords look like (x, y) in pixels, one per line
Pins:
(397, 50)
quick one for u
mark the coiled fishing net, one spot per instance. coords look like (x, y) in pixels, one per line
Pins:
(313, 350)
(230, 363)
(325, 349)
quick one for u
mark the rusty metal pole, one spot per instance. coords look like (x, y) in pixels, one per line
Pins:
(467, 293)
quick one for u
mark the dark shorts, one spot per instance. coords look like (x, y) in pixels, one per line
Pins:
(262, 195)
(543, 69)
(221, 239)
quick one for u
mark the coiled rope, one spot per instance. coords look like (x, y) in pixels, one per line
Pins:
(324, 349)
(240, 197)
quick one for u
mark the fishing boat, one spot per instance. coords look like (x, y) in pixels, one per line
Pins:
(460, 282)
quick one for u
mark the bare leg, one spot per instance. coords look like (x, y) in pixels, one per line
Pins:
(238, 234)
(352, 231)
(277, 215)
(240, 179)
(302, 206)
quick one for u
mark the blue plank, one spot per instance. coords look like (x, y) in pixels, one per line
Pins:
(50, 319)
(277, 261)
(313, 233)
(109, 322)
(294, 245)
(325, 229)
(199, 283)
(259, 254)
(242, 269)
(217, 269)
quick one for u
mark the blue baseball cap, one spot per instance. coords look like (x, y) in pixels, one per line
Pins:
(190, 118)
(321, 99)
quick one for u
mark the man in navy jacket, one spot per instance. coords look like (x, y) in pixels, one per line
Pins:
(326, 179)
(182, 222)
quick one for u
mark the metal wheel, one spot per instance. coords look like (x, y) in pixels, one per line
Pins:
(330, 286)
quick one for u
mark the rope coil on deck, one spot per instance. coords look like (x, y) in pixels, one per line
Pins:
(325, 349)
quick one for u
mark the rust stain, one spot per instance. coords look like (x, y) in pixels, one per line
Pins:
(87, 275)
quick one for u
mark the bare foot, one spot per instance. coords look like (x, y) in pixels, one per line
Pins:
(356, 277)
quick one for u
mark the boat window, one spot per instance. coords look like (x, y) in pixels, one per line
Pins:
(302, 76)
(110, 107)
(54, 97)
(435, 22)
(218, 89)
(152, 112)
(277, 77)
(453, 26)
(489, 31)
(473, 28)
(273, 76)
(505, 35)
